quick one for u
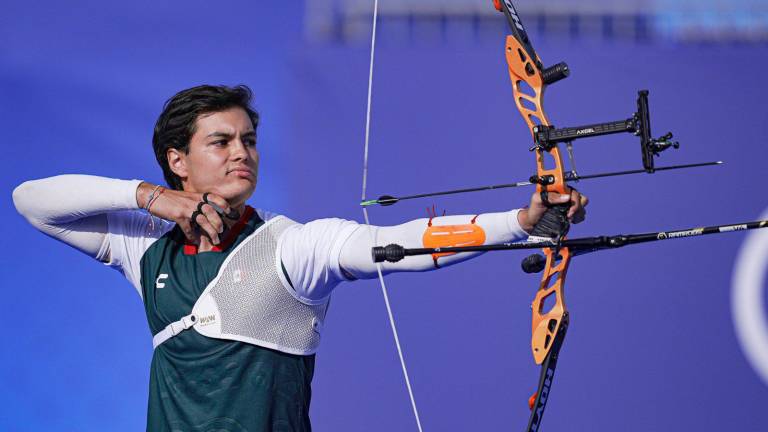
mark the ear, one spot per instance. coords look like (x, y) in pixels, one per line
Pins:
(177, 162)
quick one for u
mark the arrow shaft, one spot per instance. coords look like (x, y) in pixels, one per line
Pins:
(570, 177)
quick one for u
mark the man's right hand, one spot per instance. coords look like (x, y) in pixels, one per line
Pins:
(179, 207)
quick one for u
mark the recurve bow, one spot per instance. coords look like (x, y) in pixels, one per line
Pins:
(550, 319)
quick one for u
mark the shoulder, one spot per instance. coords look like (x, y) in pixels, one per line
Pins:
(309, 254)
(131, 233)
(310, 235)
(319, 239)
(266, 215)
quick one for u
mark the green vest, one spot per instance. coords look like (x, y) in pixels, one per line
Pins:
(203, 384)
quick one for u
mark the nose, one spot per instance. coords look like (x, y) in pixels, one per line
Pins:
(239, 150)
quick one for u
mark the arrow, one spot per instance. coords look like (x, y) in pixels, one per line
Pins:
(571, 176)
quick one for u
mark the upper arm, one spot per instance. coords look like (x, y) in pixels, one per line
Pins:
(73, 208)
(310, 255)
(96, 215)
(87, 234)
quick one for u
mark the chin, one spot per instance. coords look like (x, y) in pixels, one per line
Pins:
(239, 195)
(235, 191)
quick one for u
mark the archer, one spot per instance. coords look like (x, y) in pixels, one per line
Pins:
(250, 362)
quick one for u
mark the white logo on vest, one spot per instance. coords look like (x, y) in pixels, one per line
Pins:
(159, 284)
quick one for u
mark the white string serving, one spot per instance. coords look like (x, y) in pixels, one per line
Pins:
(368, 222)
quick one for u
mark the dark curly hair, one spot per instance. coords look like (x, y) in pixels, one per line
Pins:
(177, 123)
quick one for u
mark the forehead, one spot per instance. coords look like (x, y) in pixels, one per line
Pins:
(230, 121)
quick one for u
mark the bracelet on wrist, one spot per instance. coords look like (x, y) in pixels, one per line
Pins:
(151, 197)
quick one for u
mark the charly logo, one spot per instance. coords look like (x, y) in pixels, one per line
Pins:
(661, 236)
(747, 300)
(237, 276)
(158, 281)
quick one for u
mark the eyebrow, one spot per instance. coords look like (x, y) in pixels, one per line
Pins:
(217, 134)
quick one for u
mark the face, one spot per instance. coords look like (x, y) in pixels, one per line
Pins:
(222, 157)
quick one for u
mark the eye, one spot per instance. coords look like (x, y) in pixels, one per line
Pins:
(220, 143)
(251, 142)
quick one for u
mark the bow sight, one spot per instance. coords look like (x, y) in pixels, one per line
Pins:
(547, 137)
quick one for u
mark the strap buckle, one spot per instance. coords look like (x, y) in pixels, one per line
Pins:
(182, 324)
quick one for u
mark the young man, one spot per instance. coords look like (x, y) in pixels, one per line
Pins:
(235, 297)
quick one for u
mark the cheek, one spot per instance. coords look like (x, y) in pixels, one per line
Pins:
(207, 166)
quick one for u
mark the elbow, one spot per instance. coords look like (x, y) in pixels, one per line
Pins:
(26, 199)
(22, 199)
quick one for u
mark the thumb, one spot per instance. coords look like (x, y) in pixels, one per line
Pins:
(563, 198)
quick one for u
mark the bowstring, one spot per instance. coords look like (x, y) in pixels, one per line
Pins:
(368, 222)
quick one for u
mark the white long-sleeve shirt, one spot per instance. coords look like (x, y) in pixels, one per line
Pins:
(100, 217)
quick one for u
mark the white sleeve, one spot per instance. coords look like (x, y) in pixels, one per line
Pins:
(72, 208)
(310, 256)
(96, 215)
(130, 234)
(356, 259)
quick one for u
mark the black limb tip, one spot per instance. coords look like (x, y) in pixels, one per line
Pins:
(390, 253)
(555, 73)
(534, 263)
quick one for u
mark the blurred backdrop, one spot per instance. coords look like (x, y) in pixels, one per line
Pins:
(664, 337)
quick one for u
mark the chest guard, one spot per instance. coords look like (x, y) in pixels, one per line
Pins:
(248, 301)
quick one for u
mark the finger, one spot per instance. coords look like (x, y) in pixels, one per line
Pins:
(216, 207)
(579, 217)
(213, 216)
(576, 203)
(221, 206)
(580, 214)
(535, 199)
(214, 201)
(202, 224)
(207, 229)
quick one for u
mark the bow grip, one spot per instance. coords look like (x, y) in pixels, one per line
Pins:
(553, 224)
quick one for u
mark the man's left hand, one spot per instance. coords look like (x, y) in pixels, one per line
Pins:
(529, 217)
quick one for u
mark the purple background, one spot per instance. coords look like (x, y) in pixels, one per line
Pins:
(651, 344)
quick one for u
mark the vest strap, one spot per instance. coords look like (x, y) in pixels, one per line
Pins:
(173, 329)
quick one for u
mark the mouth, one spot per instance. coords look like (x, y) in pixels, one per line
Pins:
(242, 173)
